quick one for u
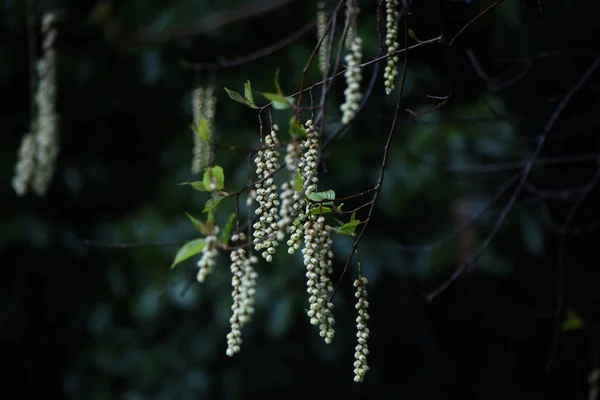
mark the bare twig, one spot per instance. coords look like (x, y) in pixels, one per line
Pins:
(526, 171)
(560, 279)
(286, 41)
(208, 24)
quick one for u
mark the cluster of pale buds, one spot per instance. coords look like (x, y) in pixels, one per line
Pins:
(353, 74)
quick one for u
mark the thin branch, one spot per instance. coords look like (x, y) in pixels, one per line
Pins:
(208, 24)
(132, 245)
(481, 14)
(424, 248)
(560, 280)
(526, 171)
(512, 165)
(386, 151)
(328, 29)
(254, 55)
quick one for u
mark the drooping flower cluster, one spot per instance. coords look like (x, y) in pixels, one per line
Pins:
(38, 171)
(207, 262)
(362, 331)
(351, 12)
(391, 42)
(353, 74)
(267, 226)
(309, 160)
(307, 166)
(25, 165)
(318, 261)
(322, 36)
(243, 281)
(288, 196)
(47, 120)
(204, 103)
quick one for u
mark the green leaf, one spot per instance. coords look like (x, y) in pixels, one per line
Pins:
(198, 185)
(279, 101)
(412, 34)
(277, 86)
(214, 176)
(295, 130)
(188, 250)
(298, 183)
(227, 229)
(572, 321)
(238, 97)
(322, 209)
(320, 196)
(248, 92)
(201, 130)
(212, 204)
(348, 228)
(199, 225)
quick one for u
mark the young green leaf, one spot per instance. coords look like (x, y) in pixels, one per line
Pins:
(412, 34)
(214, 178)
(320, 196)
(201, 130)
(248, 92)
(348, 228)
(295, 130)
(227, 229)
(279, 101)
(212, 204)
(277, 86)
(321, 209)
(198, 185)
(573, 321)
(238, 97)
(298, 183)
(199, 225)
(188, 250)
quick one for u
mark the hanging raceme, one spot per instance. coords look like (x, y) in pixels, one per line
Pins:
(207, 262)
(318, 262)
(204, 103)
(289, 198)
(362, 331)
(391, 42)
(350, 14)
(307, 170)
(353, 74)
(46, 135)
(267, 226)
(25, 165)
(243, 281)
(298, 210)
(322, 36)
(37, 154)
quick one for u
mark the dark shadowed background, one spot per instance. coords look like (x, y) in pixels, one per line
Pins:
(90, 321)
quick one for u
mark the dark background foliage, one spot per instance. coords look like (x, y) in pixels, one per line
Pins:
(97, 322)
